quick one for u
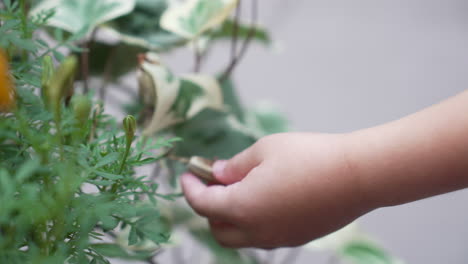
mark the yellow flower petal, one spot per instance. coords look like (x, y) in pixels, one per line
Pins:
(7, 90)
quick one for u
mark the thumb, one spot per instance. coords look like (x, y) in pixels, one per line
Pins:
(234, 170)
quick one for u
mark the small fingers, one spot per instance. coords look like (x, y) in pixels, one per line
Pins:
(229, 235)
(235, 169)
(208, 201)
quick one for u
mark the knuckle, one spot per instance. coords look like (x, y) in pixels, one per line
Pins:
(240, 211)
(198, 206)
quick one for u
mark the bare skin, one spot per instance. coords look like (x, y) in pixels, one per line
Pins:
(288, 189)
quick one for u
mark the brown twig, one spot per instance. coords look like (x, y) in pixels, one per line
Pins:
(245, 46)
(235, 31)
(198, 56)
(107, 74)
(95, 122)
(85, 66)
(85, 61)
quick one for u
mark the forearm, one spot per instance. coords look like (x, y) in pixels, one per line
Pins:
(419, 156)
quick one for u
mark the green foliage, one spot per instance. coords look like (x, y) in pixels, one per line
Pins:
(210, 134)
(243, 31)
(366, 253)
(143, 23)
(67, 183)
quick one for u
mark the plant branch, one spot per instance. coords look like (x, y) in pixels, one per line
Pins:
(245, 46)
(198, 56)
(85, 61)
(107, 74)
(235, 31)
(96, 114)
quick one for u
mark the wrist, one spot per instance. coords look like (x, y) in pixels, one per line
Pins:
(359, 157)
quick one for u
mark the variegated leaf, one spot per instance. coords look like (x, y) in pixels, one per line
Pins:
(84, 15)
(166, 89)
(175, 99)
(194, 17)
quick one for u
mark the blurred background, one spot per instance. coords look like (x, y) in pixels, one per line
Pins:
(341, 65)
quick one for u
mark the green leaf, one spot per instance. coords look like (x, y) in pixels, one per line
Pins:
(27, 170)
(188, 92)
(366, 253)
(226, 31)
(267, 119)
(142, 28)
(108, 176)
(108, 159)
(101, 183)
(109, 222)
(231, 99)
(132, 237)
(113, 60)
(76, 15)
(111, 250)
(211, 134)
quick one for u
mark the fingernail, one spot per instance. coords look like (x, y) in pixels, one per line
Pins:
(218, 168)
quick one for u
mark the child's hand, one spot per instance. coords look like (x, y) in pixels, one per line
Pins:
(285, 190)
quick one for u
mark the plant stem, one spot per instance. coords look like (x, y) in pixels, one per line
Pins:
(198, 57)
(107, 75)
(125, 156)
(24, 25)
(245, 46)
(85, 66)
(235, 31)
(122, 164)
(95, 122)
(85, 61)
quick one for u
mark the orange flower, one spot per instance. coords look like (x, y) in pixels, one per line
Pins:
(7, 90)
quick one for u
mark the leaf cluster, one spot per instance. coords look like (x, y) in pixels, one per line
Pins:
(66, 186)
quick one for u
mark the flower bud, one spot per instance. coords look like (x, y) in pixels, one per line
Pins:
(81, 107)
(129, 124)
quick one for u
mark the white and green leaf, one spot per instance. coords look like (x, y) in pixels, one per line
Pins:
(211, 94)
(194, 17)
(155, 77)
(83, 15)
(175, 99)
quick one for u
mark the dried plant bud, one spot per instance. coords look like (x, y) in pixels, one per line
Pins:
(129, 124)
(81, 107)
(7, 89)
(61, 82)
(202, 168)
(47, 71)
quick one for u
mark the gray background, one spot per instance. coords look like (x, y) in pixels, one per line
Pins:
(342, 65)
